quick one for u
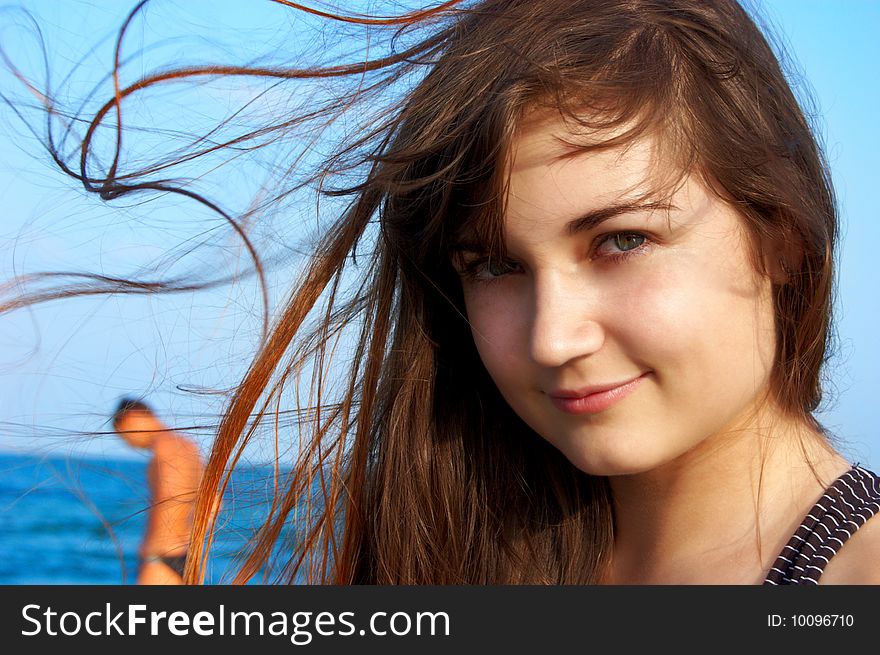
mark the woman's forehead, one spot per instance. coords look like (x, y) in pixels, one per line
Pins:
(550, 157)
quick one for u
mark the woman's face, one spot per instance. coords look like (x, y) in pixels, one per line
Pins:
(624, 331)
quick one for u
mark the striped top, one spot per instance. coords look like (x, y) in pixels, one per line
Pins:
(844, 507)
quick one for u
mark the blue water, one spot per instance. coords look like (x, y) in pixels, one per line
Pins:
(78, 521)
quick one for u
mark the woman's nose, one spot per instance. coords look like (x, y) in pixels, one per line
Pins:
(565, 323)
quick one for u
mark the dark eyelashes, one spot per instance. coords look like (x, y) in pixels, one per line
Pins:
(639, 249)
(472, 269)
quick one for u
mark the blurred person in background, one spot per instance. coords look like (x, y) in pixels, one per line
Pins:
(173, 474)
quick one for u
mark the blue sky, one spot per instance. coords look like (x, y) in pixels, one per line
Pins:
(64, 364)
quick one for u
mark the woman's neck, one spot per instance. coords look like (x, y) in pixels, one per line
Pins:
(722, 512)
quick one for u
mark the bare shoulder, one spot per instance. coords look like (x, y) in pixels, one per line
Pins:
(174, 447)
(178, 466)
(858, 561)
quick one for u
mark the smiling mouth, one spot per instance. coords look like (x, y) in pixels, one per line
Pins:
(594, 399)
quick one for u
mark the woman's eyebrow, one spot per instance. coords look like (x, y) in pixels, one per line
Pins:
(596, 216)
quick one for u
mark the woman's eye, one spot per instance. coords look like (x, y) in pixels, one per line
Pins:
(624, 242)
(488, 269)
(621, 243)
(498, 268)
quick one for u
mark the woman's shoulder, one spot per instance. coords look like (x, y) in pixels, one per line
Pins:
(858, 560)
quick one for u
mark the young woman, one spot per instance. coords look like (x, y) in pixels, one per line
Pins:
(589, 259)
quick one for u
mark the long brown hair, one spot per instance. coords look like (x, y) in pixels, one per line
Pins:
(417, 471)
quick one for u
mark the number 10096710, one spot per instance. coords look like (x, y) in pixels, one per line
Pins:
(810, 621)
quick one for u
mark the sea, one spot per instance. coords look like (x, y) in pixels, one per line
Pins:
(80, 521)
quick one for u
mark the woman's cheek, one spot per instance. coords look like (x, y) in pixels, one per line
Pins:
(669, 322)
(697, 320)
(497, 327)
(655, 307)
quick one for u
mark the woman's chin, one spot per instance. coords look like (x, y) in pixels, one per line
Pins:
(614, 463)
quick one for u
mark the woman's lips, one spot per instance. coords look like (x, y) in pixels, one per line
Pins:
(593, 401)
